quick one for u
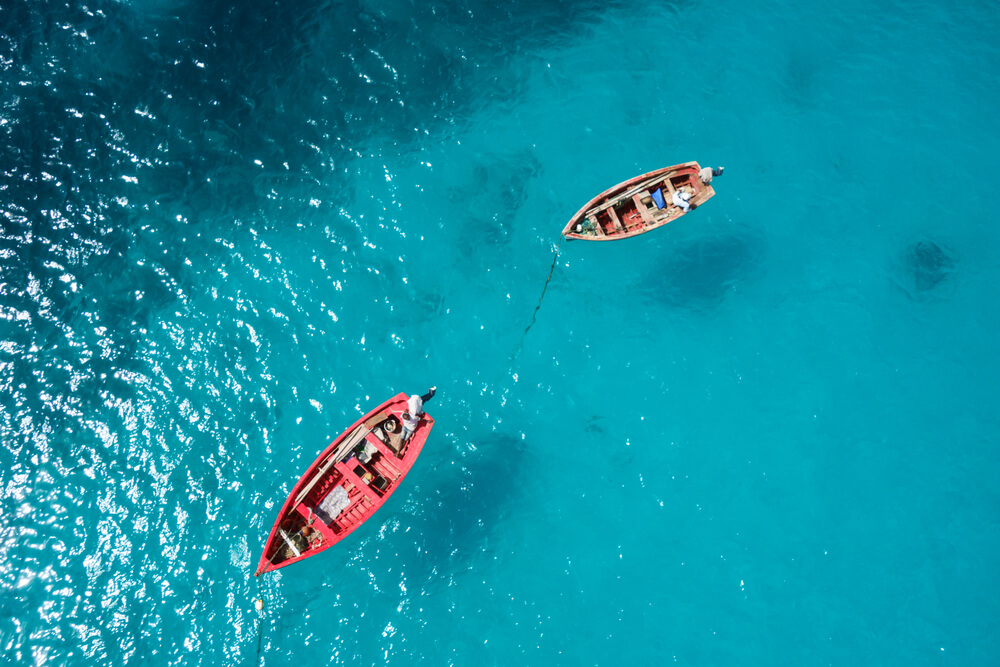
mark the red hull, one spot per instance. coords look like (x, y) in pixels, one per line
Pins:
(629, 209)
(339, 492)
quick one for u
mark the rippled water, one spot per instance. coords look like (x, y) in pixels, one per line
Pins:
(766, 434)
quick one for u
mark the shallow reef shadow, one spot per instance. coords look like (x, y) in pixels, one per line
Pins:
(498, 188)
(924, 267)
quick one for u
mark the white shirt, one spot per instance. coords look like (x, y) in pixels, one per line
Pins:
(410, 425)
(680, 199)
(415, 405)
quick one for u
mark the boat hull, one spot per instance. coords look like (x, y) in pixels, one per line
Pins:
(347, 483)
(631, 207)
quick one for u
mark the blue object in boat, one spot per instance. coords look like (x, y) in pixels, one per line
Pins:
(658, 198)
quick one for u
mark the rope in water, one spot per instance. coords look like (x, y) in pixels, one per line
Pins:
(259, 605)
(544, 288)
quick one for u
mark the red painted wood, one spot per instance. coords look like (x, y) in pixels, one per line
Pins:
(364, 500)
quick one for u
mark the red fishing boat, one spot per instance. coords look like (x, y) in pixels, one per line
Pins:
(643, 203)
(346, 485)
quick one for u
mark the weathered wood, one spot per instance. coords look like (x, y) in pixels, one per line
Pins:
(615, 220)
(630, 207)
(625, 195)
(643, 211)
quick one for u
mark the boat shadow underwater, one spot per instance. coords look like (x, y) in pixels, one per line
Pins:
(699, 274)
(461, 506)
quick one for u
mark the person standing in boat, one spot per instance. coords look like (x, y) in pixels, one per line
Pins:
(707, 173)
(415, 408)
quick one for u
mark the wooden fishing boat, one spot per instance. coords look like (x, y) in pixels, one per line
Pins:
(345, 485)
(640, 204)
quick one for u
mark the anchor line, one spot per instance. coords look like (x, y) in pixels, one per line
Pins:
(260, 619)
(537, 307)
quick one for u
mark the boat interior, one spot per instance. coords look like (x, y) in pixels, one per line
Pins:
(640, 208)
(344, 489)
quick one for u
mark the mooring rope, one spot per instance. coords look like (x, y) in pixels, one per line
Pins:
(259, 606)
(544, 288)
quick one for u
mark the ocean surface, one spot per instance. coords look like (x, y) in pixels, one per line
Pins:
(766, 434)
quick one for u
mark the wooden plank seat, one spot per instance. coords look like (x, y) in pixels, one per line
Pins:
(317, 523)
(645, 185)
(615, 220)
(641, 207)
(345, 446)
(388, 456)
(352, 477)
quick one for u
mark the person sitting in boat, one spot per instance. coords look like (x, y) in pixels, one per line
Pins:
(415, 408)
(681, 199)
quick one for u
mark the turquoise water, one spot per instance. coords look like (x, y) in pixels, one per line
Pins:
(766, 434)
